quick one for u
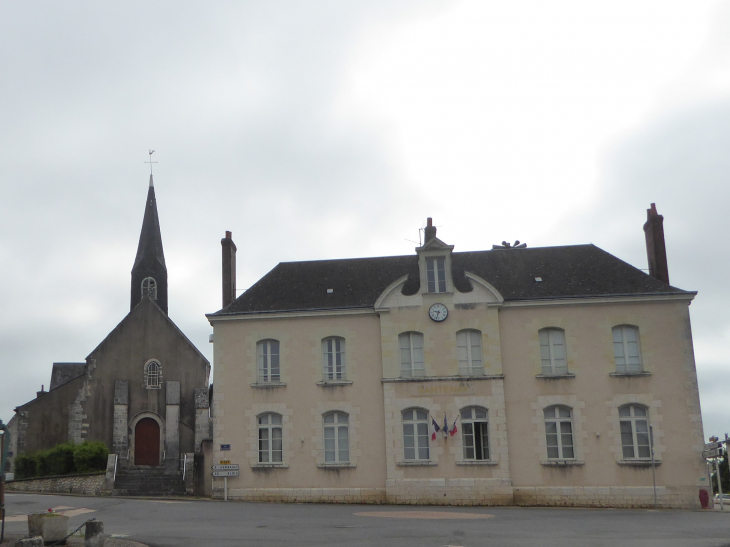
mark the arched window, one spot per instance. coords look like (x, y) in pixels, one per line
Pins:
(635, 440)
(626, 349)
(559, 432)
(475, 433)
(149, 288)
(336, 437)
(153, 375)
(469, 350)
(415, 434)
(552, 351)
(333, 359)
(411, 354)
(270, 439)
(267, 355)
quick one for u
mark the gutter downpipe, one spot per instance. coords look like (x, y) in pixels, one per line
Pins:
(3, 459)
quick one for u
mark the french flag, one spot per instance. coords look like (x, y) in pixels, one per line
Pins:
(436, 429)
(453, 430)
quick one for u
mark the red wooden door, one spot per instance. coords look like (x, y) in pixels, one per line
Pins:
(147, 442)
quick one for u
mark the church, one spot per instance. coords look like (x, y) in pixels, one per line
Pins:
(143, 390)
(511, 376)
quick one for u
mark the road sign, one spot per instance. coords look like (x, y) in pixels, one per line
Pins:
(712, 446)
(224, 462)
(225, 447)
(714, 453)
(231, 473)
(225, 467)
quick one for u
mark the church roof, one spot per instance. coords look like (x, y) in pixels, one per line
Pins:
(65, 372)
(149, 249)
(566, 272)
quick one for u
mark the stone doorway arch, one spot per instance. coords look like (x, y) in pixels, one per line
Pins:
(147, 436)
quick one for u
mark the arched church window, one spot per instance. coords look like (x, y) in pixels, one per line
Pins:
(153, 375)
(149, 288)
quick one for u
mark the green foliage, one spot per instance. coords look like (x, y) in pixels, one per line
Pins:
(725, 474)
(90, 456)
(25, 466)
(60, 459)
(63, 459)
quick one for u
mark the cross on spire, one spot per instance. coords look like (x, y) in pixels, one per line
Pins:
(151, 162)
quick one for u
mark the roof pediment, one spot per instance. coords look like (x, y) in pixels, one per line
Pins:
(434, 244)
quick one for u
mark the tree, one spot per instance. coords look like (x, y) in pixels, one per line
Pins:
(724, 473)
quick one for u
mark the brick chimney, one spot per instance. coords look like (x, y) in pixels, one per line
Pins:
(429, 232)
(656, 251)
(229, 269)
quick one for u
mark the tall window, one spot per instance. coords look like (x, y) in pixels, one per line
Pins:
(270, 446)
(415, 434)
(436, 274)
(336, 438)
(153, 375)
(634, 422)
(559, 432)
(626, 349)
(333, 358)
(411, 354)
(474, 433)
(552, 351)
(469, 350)
(268, 361)
(149, 288)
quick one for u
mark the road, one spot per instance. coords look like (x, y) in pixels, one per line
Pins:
(183, 523)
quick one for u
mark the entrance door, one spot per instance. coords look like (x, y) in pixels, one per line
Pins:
(147, 442)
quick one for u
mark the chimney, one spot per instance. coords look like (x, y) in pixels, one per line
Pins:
(429, 232)
(656, 252)
(41, 392)
(229, 269)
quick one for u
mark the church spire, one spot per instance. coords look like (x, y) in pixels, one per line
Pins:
(149, 273)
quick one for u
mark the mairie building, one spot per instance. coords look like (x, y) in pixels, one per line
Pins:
(512, 376)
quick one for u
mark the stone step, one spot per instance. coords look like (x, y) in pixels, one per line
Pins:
(148, 482)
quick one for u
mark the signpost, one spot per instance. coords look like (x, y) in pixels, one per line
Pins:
(713, 450)
(225, 470)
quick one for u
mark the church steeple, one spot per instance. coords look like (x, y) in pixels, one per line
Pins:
(149, 273)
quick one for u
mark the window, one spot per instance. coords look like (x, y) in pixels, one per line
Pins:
(552, 351)
(153, 375)
(559, 432)
(149, 288)
(268, 361)
(411, 354)
(474, 435)
(436, 274)
(634, 422)
(333, 355)
(469, 350)
(626, 349)
(270, 446)
(336, 438)
(415, 434)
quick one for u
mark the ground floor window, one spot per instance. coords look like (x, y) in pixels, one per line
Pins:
(270, 442)
(474, 433)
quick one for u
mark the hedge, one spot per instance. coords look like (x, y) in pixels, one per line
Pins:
(63, 459)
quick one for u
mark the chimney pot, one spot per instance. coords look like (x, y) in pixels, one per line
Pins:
(430, 231)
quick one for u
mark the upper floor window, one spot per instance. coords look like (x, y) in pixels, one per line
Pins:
(411, 354)
(267, 355)
(436, 273)
(469, 350)
(626, 349)
(552, 351)
(336, 437)
(333, 359)
(153, 375)
(559, 432)
(415, 434)
(270, 440)
(149, 288)
(634, 422)
(474, 433)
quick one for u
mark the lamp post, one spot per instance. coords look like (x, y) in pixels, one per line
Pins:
(3, 458)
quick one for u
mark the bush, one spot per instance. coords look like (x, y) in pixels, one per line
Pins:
(90, 456)
(60, 459)
(63, 459)
(25, 466)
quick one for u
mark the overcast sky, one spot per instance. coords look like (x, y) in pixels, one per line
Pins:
(318, 130)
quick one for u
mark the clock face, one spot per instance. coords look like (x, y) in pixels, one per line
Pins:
(438, 312)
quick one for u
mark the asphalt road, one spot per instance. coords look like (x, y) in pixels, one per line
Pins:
(166, 523)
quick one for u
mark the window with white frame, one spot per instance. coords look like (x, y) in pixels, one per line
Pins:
(270, 439)
(267, 355)
(552, 351)
(436, 273)
(626, 349)
(634, 422)
(474, 433)
(415, 434)
(333, 359)
(469, 350)
(559, 432)
(153, 375)
(149, 288)
(336, 437)
(411, 354)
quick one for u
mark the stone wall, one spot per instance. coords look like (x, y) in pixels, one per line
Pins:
(450, 491)
(307, 495)
(91, 485)
(608, 496)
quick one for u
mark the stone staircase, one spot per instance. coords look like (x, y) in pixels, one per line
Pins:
(152, 481)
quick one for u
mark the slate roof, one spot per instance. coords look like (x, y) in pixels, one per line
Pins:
(63, 373)
(567, 272)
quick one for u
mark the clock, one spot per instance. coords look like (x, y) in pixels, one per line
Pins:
(438, 312)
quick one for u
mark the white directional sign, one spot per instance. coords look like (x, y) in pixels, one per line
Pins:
(712, 450)
(225, 467)
(231, 473)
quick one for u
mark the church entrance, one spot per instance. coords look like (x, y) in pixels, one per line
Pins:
(147, 442)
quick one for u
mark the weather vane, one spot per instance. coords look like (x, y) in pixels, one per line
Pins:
(151, 162)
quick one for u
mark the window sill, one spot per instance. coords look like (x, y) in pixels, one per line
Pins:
(638, 463)
(269, 466)
(153, 387)
(336, 465)
(416, 463)
(555, 376)
(443, 378)
(477, 462)
(625, 374)
(334, 383)
(562, 463)
(268, 385)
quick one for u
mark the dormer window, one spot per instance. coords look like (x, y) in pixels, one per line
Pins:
(149, 288)
(436, 274)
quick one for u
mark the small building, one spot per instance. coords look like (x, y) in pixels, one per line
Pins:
(528, 376)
